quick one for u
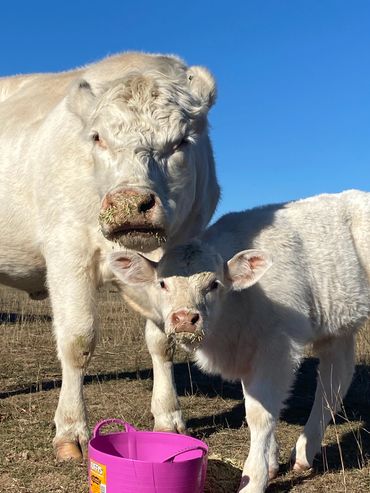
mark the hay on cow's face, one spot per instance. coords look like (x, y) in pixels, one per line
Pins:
(108, 216)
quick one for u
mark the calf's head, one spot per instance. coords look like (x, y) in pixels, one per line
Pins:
(149, 143)
(188, 288)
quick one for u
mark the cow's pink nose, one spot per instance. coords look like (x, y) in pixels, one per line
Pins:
(184, 320)
(133, 202)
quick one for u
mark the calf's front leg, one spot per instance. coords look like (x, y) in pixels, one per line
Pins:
(165, 404)
(264, 395)
(261, 425)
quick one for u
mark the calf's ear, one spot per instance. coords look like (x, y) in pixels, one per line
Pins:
(81, 99)
(202, 85)
(132, 268)
(246, 268)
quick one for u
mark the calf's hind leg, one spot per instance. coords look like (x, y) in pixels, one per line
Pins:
(335, 372)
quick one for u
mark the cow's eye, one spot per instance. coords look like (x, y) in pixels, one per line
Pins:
(162, 284)
(214, 285)
(95, 137)
(180, 144)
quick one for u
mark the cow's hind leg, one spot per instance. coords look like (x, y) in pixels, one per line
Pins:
(334, 377)
(72, 291)
(165, 404)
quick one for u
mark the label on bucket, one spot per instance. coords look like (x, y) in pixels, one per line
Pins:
(98, 477)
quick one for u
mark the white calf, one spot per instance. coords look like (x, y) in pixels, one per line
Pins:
(307, 270)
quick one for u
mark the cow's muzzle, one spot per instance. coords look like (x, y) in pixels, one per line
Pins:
(134, 218)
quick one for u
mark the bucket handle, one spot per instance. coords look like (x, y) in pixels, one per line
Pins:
(186, 449)
(109, 421)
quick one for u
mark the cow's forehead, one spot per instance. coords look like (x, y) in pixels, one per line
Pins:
(139, 94)
(195, 260)
(148, 109)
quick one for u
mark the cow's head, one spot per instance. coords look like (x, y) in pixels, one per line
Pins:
(151, 152)
(187, 289)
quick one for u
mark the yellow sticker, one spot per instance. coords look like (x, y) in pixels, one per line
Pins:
(98, 477)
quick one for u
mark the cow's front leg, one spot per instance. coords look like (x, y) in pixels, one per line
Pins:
(72, 291)
(165, 404)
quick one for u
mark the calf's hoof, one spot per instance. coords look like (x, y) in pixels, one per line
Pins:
(301, 467)
(273, 472)
(243, 483)
(68, 451)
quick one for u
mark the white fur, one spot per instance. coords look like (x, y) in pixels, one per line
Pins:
(317, 291)
(53, 178)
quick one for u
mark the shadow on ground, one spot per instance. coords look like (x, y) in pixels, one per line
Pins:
(222, 477)
(354, 446)
(16, 318)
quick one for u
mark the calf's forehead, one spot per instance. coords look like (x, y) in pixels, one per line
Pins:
(194, 261)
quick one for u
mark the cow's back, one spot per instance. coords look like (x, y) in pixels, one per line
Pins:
(27, 99)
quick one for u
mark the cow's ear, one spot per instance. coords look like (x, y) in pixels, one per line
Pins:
(246, 268)
(81, 100)
(132, 268)
(202, 85)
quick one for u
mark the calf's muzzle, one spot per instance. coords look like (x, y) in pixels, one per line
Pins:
(134, 218)
(185, 321)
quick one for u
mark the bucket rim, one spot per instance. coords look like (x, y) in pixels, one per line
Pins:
(198, 444)
(189, 443)
(203, 457)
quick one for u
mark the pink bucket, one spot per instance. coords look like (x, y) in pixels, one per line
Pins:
(145, 461)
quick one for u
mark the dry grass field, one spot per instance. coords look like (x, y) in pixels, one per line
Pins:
(118, 384)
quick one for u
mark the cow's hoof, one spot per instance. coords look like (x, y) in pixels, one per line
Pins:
(171, 422)
(181, 429)
(68, 451)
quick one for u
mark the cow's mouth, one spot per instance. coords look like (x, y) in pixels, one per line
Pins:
(143, 238)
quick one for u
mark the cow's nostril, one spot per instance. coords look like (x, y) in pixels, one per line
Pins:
(147, 203)
(195, 319)
(106, 203)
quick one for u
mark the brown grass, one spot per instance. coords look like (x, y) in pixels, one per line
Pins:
(119, 384)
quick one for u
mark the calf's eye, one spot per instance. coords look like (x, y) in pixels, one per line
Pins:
(162, 284)
(95, 137)
(213, 286)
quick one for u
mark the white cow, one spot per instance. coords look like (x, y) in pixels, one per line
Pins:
(124, 140)
(309, 265)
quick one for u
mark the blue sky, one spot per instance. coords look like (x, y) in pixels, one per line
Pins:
(293, 112)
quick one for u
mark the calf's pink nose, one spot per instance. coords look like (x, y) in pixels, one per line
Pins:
(184, 320)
